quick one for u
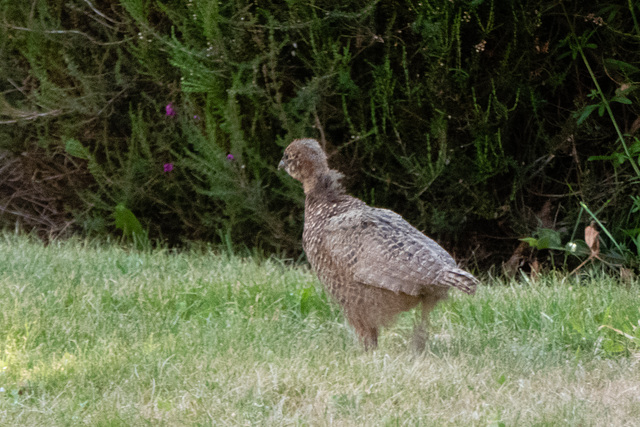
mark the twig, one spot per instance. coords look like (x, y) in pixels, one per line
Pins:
(21, 215)
(32, 116)
(75, 32)
(318, 126)
(97, 12)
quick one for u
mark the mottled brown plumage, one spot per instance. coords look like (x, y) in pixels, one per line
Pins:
(372, 262)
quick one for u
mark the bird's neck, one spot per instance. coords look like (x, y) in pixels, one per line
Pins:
(324, 184)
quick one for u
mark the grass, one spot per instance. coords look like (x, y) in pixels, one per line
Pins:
(99, 335)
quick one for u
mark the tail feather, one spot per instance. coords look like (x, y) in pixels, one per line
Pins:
(460, 279)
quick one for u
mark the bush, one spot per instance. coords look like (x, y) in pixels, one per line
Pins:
(464, 116)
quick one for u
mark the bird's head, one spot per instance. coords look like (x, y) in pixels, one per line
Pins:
(304, 159)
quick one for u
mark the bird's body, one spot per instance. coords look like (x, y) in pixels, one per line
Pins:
(372, 262)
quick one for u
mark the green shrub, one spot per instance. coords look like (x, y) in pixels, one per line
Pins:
(461, 115)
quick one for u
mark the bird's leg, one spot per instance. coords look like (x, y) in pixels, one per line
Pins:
(370, 338)
(366, 332)
(421, 329)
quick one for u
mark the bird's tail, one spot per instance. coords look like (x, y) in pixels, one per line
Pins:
(460, 279)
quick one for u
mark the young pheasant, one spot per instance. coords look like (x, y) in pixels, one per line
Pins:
(372, 262)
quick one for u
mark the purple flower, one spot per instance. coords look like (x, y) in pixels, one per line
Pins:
(196, 117)
(168, 167)
(170, 112)
(230, 157)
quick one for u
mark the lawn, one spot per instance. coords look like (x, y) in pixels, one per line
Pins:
(95, 334)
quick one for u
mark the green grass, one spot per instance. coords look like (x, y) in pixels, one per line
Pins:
(99, 335)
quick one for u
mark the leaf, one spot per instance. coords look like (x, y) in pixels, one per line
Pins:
(75, 148)
(621, 99)
(591, 237)
(585, 112)
(564, 55)
(502, 379)
(127, 221)
(611, 347)
(601, 110)
(549, 239)
(305, 295)
(533, 242)
(618, 158)
(621, 65)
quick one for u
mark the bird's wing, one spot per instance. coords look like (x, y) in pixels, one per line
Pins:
(381, 249)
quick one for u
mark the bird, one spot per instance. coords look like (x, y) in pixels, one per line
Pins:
(371, 261)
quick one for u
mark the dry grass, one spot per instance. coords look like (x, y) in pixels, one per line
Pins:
(99, 335)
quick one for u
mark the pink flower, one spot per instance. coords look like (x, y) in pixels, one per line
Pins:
(170, 112)
(168, 167)
(230, 157)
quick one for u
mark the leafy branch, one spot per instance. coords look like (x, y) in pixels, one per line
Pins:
(578, 44)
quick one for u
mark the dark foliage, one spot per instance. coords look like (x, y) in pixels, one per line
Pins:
(476, 120)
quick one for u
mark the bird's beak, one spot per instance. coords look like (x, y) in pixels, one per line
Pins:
(281, 164)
